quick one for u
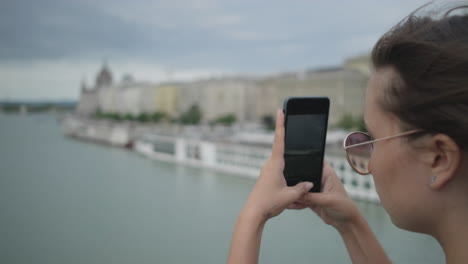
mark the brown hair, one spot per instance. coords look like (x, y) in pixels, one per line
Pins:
(430, 56)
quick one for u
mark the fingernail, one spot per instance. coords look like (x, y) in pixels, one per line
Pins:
(309, 185)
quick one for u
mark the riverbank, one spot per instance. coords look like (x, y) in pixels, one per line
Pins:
(225, 149)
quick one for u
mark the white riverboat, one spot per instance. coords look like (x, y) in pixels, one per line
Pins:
(221, 149)
(245, 159)
(104, 132)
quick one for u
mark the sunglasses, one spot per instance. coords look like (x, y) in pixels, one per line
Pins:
(359, 146)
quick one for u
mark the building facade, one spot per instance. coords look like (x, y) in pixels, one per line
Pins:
(249, 100)
(219, 97)
(90, 98)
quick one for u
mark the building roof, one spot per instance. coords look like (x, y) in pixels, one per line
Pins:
(104, 77)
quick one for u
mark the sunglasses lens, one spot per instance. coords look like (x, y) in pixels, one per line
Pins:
(358, 156)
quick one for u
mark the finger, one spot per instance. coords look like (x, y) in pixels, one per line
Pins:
(291, 194)
(330, 179)
(327, 170)
(296, 206)
(317, 199)
(278, 144)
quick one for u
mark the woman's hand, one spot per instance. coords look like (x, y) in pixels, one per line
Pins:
(271, 195)
(335, 208)
(333, 204)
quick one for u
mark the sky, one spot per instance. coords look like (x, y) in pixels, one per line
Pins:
(48, 47)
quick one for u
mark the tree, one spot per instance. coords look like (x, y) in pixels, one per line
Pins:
(228, 119)
(268, 122)
(348, 122)
(192, 116)
(115, 116)
(98, 114)
(128, 117)
(143, 117)
(158, 116)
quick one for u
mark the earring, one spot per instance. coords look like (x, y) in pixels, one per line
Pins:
(433, 178)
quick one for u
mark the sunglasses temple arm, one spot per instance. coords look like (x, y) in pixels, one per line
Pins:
(384, 138)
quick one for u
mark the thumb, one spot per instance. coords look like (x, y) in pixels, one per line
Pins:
(293, 193)
(320, 199)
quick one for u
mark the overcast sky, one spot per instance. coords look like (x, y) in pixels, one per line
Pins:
(48, 46)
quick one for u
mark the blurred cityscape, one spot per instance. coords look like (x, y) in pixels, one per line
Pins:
(225, 124)
(239, 100)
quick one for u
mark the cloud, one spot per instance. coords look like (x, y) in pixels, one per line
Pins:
(52, 79)
(55, 29)
(241, 37)
(173, 32)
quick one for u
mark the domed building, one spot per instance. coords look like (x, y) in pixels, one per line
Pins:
(104, 77)
(89, 97)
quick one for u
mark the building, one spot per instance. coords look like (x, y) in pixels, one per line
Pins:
(166, 97)
(249, 100)
(89, 99)
(359, 63)
(219, 97)
(88, 103)
(345, 86)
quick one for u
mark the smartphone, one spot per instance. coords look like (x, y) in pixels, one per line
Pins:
(305, 122)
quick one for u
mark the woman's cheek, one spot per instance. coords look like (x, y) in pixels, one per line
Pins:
(378, 168)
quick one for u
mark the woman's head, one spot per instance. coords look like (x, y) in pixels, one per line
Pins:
(420, 82)
(430, 89)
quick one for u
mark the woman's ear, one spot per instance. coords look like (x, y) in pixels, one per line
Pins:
(444, 160)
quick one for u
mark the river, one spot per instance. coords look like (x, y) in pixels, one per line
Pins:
(67, 201)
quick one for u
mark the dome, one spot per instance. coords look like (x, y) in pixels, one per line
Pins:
(104, 78)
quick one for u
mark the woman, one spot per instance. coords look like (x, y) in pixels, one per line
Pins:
(417, 116)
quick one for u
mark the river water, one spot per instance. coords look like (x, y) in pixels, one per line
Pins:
(66, 201)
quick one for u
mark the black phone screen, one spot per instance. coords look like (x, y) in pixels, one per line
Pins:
(304, 148)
